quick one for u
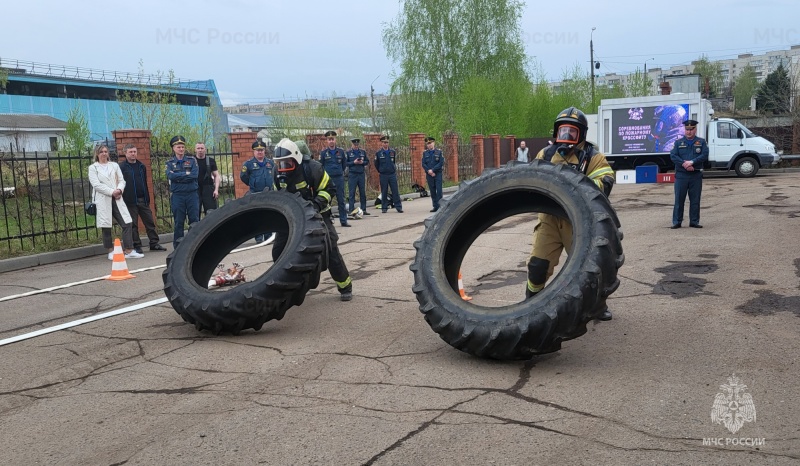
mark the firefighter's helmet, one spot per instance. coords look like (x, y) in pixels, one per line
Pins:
(287, 156)
(357, 213)
(570, 126)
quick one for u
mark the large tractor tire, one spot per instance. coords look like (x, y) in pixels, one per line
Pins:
(559, 312)
(269, 296)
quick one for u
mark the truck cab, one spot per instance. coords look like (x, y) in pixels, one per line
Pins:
(732, 146)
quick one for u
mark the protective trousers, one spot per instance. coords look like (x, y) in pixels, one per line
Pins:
(357, 180)
(435, 185)
(389, 182)
(550, 236)
(336, 266)
(692, 184)
(338, 181)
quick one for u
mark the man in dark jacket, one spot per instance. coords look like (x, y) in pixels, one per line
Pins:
(298, 172)
(433, 163)
(182, 175)
(334, 160)
(688, 154)
(257, 174)
(137, 199)
(385, 163)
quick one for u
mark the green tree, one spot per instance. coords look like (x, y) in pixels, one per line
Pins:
(638, 85)
(710, 76)
(446, 49)
(77, 137)
(156, 108)
(3, 80)
(775, 92)
(745, 88)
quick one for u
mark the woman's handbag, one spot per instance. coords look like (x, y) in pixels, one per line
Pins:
(90, 208)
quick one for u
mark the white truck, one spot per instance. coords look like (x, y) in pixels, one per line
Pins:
(639, 131)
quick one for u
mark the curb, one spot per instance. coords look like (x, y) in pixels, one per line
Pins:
(25, 262)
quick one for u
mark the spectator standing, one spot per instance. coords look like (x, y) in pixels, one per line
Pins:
(107, 187)
(208, 179)
(137, 199)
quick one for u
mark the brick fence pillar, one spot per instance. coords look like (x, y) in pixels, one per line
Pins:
(316, 143)
(242, 150)
(476, 140)
(141, 139)
(372, 144)
(417, 147)
(496, 145)
(512, 141)
(451, 153)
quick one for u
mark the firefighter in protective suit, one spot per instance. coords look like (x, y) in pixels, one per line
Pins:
(296, 171)
(553, 234)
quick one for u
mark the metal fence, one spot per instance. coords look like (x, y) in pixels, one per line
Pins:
(43, 195)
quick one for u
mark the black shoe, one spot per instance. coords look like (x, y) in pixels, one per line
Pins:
(139, 250)
(696, 225)
(346, 295)
(346, 225)
(433, 210)
(383, 211)
(528, 293)
(367, 213)
(675, 227)
(399, 211)
(605, 316)
(157, 247)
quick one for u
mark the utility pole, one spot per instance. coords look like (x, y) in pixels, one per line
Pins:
(591, 65)
(372, 97)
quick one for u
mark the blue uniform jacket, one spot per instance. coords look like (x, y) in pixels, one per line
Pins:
(385, 161)
(432, 160)
(352, 156)
(333, 161)
(684, 149)
(258, 176)
(182, 175)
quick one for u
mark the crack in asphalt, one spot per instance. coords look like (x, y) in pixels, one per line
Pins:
(513, 392)
(416, 432)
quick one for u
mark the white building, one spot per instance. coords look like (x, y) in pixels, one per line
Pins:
(30, 133)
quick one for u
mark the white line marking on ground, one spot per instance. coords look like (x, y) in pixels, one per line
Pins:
(90, 280)
(86, 320)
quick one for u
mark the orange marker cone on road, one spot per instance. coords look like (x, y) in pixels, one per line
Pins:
(461, 289)
(119, 268)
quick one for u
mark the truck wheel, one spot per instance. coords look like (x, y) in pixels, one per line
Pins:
(267, 297)
(560, 312)
(746, 167)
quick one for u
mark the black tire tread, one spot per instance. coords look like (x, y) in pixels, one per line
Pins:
(507, 334)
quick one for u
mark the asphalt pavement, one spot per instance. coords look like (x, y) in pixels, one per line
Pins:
(699, 314)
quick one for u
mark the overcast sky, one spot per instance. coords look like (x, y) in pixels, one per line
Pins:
(257, 51)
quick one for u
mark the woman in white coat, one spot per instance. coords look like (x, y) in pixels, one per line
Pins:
(107, 186)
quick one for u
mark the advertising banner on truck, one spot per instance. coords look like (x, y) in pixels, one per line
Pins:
(647, 130)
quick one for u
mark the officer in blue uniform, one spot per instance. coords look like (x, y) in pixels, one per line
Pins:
(432, 163)
(257, 173)
(689, 154)
(182, 174)
(387, 169)
(333, 159)
(357, 162)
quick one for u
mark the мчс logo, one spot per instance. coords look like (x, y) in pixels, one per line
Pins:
(733, 407)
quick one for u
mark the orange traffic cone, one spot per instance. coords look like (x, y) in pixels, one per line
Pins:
(119, 268)
(461, 289)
